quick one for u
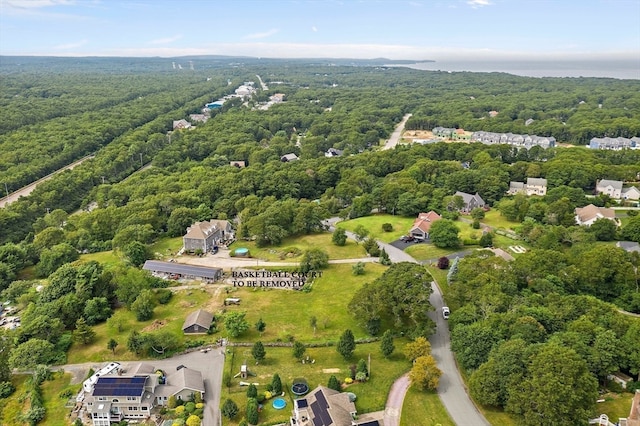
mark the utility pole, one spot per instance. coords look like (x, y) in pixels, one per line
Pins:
(141, 164)
(6, 189)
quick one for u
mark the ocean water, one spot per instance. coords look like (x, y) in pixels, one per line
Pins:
(620, 69)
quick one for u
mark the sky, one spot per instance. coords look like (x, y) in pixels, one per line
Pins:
(394, 29)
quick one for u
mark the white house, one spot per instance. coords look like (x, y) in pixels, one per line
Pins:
(612, 188)
(630, 193)
(589, 214)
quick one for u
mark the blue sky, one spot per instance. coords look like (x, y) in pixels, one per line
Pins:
(396, 29)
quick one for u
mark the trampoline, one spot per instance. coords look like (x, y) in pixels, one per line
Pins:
(242, 251)
(279, 403)
(300, 387)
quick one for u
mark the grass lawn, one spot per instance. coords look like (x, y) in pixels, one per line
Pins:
(106, 258)
(293, 248)
(616, 405)
(11, 407)
(497, 417)
(429, 251)
(424, 408)
(494, 219)
(53, 403)
(167, 317)
(371, 396)
(166, 247)
(401, 226)
(287, 312)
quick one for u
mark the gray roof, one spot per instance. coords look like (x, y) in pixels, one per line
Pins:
(182, 269)
(615, 184)
(199, 317)
(537, 181)
(629, 246)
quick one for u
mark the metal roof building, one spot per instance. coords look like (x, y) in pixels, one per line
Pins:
(180, 270)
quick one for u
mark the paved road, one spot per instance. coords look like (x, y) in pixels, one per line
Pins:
(395, 136)
(26, 190)
(393, 407)
(210, 364)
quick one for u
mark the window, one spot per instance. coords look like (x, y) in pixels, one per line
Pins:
(133, 408)
(144, 408)
(131, 398)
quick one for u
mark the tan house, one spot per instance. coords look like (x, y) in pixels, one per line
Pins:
(589, 214)
(422, 225)
(206, 235)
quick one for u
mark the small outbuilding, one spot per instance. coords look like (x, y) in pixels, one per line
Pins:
(197, 322)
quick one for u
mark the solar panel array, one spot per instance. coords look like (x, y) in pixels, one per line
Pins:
(119, 386)
(371, 423)
(320, 413)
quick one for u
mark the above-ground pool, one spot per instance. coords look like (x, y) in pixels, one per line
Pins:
(279, 403)
(242, 251)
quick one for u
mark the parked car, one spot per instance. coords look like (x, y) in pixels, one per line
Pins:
(445, 312)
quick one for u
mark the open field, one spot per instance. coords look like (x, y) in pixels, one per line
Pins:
(12, 407)
(424, 408)
(292, 249)
(401, 226)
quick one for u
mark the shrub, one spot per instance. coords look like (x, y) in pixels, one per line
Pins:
(193, 420)
(268, 395)
(443, 262)
(361, 377)
(358, 268)
(180, 410)
(387, 227)
(199, 405)
(65, 394)
(6, 389)
(476, 224)
(164, 296)
(189, 407)
(348, 380)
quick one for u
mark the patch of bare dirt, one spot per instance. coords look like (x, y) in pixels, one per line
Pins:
(156, 324)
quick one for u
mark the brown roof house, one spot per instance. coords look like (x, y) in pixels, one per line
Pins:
(422, 225)
(589, 214)
(197, 322)
(327, 407)
(206, 235)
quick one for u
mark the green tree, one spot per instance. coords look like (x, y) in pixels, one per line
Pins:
(472, 343)
(276, 384)
(136, 342)
(360, 233)
(558, 388)
(384, 258)
(313, 322)
(229, 409)
(54, 257)
(235, 323)
(6, 345)
(298, 350)
(144, 305)
(477, 213)
(371, 246)
(258, 351)
(83, 333)
(339, 237)
(386, 344)
(346, 344)
(96, 310)
(112, 344)
(334, 384)
(425, 374)
(444, 234)
(486, 240)
(252, 391)
(260, 326)
(136, 253)
(604, 229)
(358, 268)
(314, 259)
(28, 355)
(252, 411)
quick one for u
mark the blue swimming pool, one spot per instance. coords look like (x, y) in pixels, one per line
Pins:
(279, 403)
(241, 251)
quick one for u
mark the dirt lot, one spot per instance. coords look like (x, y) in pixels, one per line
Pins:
(417, 134)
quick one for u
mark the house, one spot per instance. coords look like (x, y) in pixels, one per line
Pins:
(332, 152)
(589, 214)
(203, 118)
(470, 201)
(630, 193)
(620, 378)
(536, 186)
(516, 188)
(131, 394)
(206, 235)
(521, 141)
(288, 158)
(181, 124)
(629, 246)
(197, 322)
(175, 270)
(422, 225)
(277, 98)
(615, 144)
(238, 164)
(612, 188)
(325, 407)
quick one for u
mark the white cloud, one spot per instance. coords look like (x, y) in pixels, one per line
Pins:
(70, 46)
(166, 40)
(261, 35)
(314, 29)
(35, 4)
(479, 3)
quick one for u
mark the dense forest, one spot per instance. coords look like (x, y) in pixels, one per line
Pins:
(544, 304)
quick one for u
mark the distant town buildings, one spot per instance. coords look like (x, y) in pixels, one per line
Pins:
(523, 141)
(615, 144)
